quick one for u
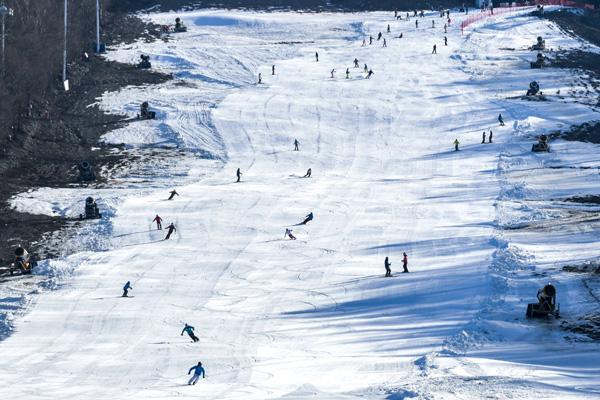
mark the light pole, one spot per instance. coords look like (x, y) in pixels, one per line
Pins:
(4, 11)
(98, 26)
(64, 74)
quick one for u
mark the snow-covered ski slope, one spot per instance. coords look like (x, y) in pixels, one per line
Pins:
(314, 317)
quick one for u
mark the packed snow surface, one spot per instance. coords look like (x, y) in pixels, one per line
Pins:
(314, 317)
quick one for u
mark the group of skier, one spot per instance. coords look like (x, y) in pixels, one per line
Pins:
(387, 264)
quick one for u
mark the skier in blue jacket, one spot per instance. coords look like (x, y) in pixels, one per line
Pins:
(126, 288)
(190, 331)
(198, 370)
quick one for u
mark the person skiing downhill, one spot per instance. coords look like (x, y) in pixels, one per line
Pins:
(308, 173)
(370, 74)
(296, 144)
(364, 43)
(158, 221)
(317, 56)
(126, 289)
(308, 218)
(500, 120)
(445, 28)
(387, 265)
(445, 41)
(198, 371)
(404, 262)
(370, 39)
(433, 23)
(190, 331)
(456, 143)
(366, 68)
(239, 175)
(332, 73)
(173, 194)
(490, 137)
(288, 233)
(171, 228)
(379, 36)
(483, 138)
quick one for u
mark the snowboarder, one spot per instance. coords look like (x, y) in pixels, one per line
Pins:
(317, 56)
(384, 43)
(370, 74)
(296, 144)
(259, 78)
(456, 143)
(434, 49)
(404, 262)
(500, 119)
(190, 331)
(198, 371)
(158, 221)
(308, 173)
(332, 73)
(126, 289)
(366, 68)
(483, 138)
(388, 28)
(356, 63)
(288, 233)
(308, 218)
(273, 70)
(379, 36)
(239, 175)
(490, 137)
(171, 228)
(173, 194)
(388, 270)
(445, 41)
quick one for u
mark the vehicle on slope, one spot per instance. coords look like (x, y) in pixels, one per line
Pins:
(24, 263)
(546, 304)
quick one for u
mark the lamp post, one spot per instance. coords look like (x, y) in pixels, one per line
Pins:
(4, 11)
(64, 73)
(97, 26)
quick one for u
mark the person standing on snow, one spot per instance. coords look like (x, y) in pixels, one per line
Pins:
(370, 74)
(239, 175)
(384, 43)
(366, 69)
(126, 289)
(445, 28)
(388, 28)
(445, 41)
(347, 73)
(417, 23)
(198, 371)
(317, 56)
(456, 143)
(173, 194)
(500, 120)
(364, 43)
(483, 138)
(356, 63)
(158, 221)
(332, 72)
(190, 331)
(490, 137)
(387, 265)
(404, 262)
(308, 218)
(308, 173)
(370, 39)
(171, 228)
(273, 70)
(288, 233)
(296, 144)
(434, 49)
(259, 78)
(379, 36)
(433, 23)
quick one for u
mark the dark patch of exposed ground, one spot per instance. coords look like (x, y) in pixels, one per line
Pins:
(49, 139)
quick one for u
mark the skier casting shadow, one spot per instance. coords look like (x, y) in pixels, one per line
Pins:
(190, 331)
(307, 219)
(308, 173)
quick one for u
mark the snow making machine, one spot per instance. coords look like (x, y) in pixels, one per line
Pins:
(145, 112)
(546, 304)
(179, 26)
(144, 62)
(24, 263)
(541, 145)
(91, 210)
(539, 62)
(539, 45)
(86, 172)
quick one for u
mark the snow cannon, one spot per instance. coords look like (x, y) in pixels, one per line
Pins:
(546, 304)
(145, 62)
(145, 112)
(23, 262)
(179, 26)
(86, 172)
(534, 88)
(91, 210)
(538, 63)
(540, 45)
(541, 145)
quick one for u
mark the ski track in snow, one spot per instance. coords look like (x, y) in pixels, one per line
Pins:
(314, 318)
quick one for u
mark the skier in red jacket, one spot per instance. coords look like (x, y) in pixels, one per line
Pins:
(158, 221)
